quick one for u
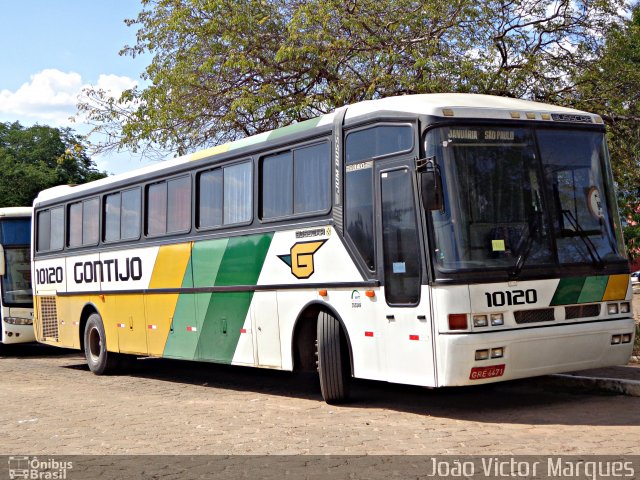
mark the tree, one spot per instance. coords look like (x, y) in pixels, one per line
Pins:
(39, 157)
(611, 87)
(225, 69)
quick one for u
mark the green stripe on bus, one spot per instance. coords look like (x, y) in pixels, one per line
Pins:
(241, 265)
(179, 343)
(295, 128)
(206, 326)
(580, 290)
(568, 291)
(593, 289)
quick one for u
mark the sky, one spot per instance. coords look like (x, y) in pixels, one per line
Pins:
(50, 50)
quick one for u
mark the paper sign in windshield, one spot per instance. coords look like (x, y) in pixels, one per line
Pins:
(498, 245)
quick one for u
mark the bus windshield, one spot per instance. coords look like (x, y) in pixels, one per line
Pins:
(520, 197)
(16, 282)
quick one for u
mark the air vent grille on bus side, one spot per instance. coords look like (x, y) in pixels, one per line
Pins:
(533, 316)
(582, 311)
(49, 316)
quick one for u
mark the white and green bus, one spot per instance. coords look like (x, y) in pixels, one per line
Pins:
(16, 301)
(432, 240)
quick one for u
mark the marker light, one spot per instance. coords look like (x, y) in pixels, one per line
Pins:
(625, 307)
(458, 321)
(612, 308)
(18, 321)
(480, 321)
(322, 293)
(497, 319)
(616, 339)
(482, 354)
(370, 293)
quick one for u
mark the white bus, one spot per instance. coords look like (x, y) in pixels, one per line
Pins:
(16, 300)
(432, 240)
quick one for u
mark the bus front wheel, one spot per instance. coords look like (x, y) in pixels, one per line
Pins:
(100, 361)
(333, 360)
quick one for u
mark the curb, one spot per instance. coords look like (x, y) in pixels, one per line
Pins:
(614, 385)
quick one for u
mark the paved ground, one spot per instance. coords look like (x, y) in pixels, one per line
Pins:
(51, 404)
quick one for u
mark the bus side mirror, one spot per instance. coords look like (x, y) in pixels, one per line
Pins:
(1, 261)
(430, 184)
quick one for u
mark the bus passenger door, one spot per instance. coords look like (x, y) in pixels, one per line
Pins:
(407, 335)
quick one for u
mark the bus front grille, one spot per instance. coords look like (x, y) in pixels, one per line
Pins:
(49, 316)
(533, 316)
(582, 311)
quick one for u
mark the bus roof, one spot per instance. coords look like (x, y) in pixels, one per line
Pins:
(457, 105)
(15, 212)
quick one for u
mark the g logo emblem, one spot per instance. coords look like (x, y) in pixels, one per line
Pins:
(301, 258)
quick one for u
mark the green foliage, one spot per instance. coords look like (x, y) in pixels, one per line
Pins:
(39, 157)
(223, 69)
(611, 87)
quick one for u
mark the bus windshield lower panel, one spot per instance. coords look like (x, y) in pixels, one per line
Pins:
(520, 198)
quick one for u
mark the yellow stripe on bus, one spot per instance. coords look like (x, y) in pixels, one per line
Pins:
(616, 287)
(210, 151)
(168, 272)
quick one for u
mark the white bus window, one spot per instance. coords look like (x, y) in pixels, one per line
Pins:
(238, 193)
(112, 217)
(378, 141)
(122, 216)
(277, 185)
(57, 228)
(75, 225)
(130, 214)
(90, 217)
(157, 209)
(178, 204)
(210, 198)
(296, 182)
(44, 231)
(311, 179)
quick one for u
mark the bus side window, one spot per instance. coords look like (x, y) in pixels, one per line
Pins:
(225, 196)
(361, 147)
(296, 182)
(169, 206)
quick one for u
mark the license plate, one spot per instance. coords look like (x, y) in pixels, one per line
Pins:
(479, 373)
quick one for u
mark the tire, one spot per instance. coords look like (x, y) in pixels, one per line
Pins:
(333, 360)
(99, 360)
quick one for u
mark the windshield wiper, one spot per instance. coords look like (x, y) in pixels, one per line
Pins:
(534, 229)
(584, 236)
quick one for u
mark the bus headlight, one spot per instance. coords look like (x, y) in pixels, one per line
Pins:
(482, 354)
(612, 308)
(497, 319)
(18, 321)
(480, 321)
(625, 307)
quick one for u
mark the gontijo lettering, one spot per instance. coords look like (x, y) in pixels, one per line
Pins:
(110, 270)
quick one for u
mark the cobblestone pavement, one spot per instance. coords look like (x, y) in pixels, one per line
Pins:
(52, 404)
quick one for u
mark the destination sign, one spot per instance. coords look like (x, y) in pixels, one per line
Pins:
(482, 134)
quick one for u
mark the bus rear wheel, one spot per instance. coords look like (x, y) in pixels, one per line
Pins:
(333, 360)
(99, 360)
